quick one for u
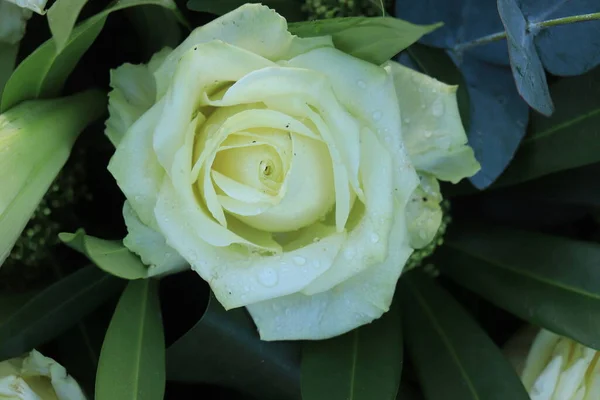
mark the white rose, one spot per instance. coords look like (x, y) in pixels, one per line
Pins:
(284, 171)
(13, 18)
(35, 377)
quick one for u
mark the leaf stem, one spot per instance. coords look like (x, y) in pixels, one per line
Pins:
(532, 27)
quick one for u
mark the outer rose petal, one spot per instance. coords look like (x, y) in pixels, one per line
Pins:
(135, 166)
(134, 93)
(64, 385)
(236, 278)
(367, 91)
(352, 303)
(540, 353)
(13, 20)
(252, 27)
(431, 125)
(33, 5)
(151, 246)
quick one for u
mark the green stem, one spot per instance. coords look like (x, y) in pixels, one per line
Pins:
(495, 37)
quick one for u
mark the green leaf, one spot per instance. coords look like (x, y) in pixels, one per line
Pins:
(375, 39)
(8, 57)
(145, 19)
(43, 73)
(547, 280)
(11, 302)
(290, 9)
(453, 357)
(61, 18)
(566, 140)
(55, 309)
(437, 64)
(132, 361)
(223, 348)
(110, 256)
(363, 364)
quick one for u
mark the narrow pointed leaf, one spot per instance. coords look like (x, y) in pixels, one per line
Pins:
(290, 9)
(363, 364)
(8, 57)
(224, 348)
(110, 256)
(61, 18)
(43, 73)
(525, 62)
(568, 139)
(55, 309)
(453, 357)
(132, 361)
(549, 281)
(376, 39)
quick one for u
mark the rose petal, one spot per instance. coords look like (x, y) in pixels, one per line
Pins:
(431, 125)
(353, 303)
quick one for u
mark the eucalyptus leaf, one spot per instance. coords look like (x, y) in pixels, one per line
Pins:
(570, 49)
(290, 9)
(43, 73)
(525, 62)
(465, 21)
(61, 19)
(376, 39)
(55, 309)
(453, 357)
(110, 256)
(132, 361)
(568, 139)
(549, 281)
(498, 120)
(363, 364)
(224, 348)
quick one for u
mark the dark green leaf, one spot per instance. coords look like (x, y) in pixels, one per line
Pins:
(43, 73)
(372, 39)
(55, 310)
(550, 281)
(61, 18)
(568, 139)
(223, 348)
(363, 364)
(132, 361)
(453, 357)
(145, 19)
(8, 57)
(437, 64)
(110, 256)
(11, 302)
(525, 62)
(290, 9)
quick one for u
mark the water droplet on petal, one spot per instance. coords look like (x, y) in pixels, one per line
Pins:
(299, 260)
(349, 253)
(316, 263)
(428, 134)
(437, 108)
(268, 277)
(361, 84)
(374, 237)
(377, 115)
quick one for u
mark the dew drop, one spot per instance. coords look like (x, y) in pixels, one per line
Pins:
(268, 277)
(316, 263)
(361, 84)
(374, 237)
(349, 253)
(299, 260)
(377, 115)
(428, 134)
(437, 108)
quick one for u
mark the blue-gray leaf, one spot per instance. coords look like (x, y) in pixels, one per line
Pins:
(464, 22)
(527, 68)
(556, 45)
(499, 117)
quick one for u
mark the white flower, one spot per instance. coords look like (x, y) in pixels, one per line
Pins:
(35, 377)
(13, 18)
(281, 170)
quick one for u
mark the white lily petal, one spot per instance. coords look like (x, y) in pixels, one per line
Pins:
(151, 246)
(431, 125)
(355, 302)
